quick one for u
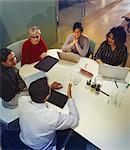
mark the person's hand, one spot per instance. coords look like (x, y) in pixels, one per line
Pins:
(43, 55)
(69, 92)
(56, 85)
(75, 41)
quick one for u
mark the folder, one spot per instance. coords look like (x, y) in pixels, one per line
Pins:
(47, 63)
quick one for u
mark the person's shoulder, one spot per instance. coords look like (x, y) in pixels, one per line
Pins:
(70, 36)
(24, 99)
(125, 49)
(104, 44)
(85, 37)
(27, 42)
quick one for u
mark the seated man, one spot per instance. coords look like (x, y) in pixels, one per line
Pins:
(34, 49)
(11, 82)
(38, 122)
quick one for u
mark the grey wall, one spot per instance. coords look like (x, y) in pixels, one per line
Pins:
(16, 16)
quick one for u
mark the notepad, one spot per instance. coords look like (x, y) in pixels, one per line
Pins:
(47, 63)
(58, 99)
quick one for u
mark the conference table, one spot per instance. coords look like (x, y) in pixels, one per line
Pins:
(101, 122)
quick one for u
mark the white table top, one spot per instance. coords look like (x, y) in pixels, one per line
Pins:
(7, 115)
(103, 124)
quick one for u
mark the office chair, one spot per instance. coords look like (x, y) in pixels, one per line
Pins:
(63, 137)
(91, 49)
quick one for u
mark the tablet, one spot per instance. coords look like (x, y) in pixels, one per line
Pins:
(47, 63)
(58, 99)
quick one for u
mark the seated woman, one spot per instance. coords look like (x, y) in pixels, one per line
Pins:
(113, 51)
(77, 42)
(34, 49)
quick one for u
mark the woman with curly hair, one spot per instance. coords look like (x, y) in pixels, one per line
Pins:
(113, 51)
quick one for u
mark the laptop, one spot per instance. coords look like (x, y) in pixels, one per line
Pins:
(113, 72)
(69, 56)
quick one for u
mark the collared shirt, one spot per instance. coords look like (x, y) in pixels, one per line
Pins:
(38, 123)
(80, 48)
(115, 58)
(11, 83)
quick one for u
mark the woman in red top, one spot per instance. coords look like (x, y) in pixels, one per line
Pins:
(34, 49)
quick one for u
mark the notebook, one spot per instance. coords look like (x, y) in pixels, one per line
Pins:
(58, 99)
(47, 63)
(69, 56)
(113, 72)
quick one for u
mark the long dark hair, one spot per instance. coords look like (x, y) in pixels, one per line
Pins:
(119, 35)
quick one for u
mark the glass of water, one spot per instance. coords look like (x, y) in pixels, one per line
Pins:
(76, 78)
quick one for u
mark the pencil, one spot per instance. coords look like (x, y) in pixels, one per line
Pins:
(104, 93)
(116, 84)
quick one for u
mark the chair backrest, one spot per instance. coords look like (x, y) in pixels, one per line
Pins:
(17, 48)
(91, 48)
(63, 137)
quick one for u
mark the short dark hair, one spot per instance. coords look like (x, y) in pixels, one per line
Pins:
(38, 90)
(78, 25)
(119, 35)
(4, 52)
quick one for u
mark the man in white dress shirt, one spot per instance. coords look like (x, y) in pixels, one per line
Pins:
(38, 123)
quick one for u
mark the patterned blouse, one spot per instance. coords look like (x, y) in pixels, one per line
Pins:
(115, 58)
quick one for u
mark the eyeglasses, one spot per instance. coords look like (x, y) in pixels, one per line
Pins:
(35, 37)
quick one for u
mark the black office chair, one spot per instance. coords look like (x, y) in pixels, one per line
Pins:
(63, 137)
(10, 139)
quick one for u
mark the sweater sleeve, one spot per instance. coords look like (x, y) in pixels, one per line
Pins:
(44, 46)
(25, 53)
(83, 51)
(68, 44)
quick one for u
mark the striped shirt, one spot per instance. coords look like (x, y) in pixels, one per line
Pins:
(115, 58)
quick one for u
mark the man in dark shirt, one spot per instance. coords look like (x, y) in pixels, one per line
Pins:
(10, 80)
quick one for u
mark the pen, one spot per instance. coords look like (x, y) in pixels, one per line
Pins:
(104, 93)
(116, 84)
(127, 86)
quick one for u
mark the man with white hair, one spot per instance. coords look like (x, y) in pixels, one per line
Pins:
(34, 49)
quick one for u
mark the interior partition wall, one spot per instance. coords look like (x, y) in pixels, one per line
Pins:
(69, 12)
(16, 16)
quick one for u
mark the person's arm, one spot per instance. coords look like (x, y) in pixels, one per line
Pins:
(98, 54)
(83, 51)
(69, 43)
(8, 90)
(99, 61)
(25, 54)
(124, 57)
(68, 121)
(44, 45)
(44, 49)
